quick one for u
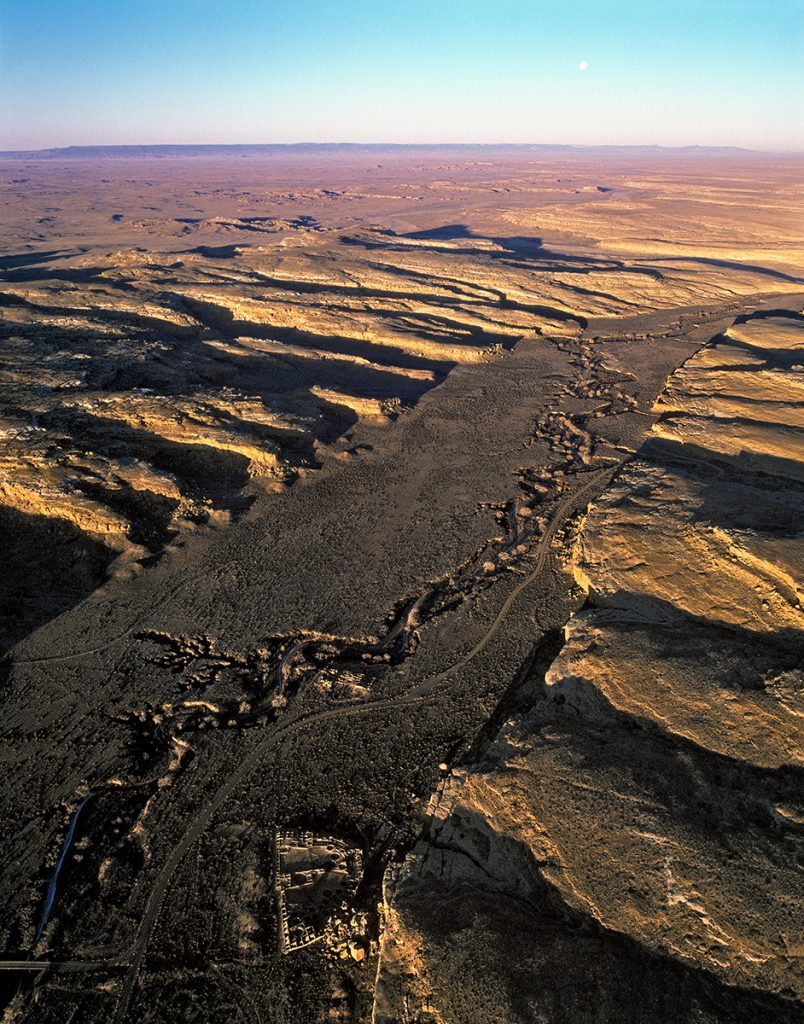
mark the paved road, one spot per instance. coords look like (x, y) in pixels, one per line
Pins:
(420, 693)
(57, 965)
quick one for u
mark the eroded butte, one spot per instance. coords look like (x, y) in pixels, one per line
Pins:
(402, 596)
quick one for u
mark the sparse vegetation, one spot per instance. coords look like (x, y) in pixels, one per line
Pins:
(322, 489)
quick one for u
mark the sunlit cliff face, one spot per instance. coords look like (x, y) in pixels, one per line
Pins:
(650, 788)
(240, 404)
(166, 334)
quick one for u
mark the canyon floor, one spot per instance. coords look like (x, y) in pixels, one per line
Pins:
(401, 618)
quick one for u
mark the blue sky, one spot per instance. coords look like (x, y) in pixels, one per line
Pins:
(681, 72)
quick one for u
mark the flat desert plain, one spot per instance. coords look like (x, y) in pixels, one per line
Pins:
(401, 596)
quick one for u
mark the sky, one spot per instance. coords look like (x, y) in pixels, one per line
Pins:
(680, 72)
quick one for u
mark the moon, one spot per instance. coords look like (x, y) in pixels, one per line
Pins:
(583, 65)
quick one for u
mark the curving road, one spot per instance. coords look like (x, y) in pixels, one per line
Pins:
(420, 693)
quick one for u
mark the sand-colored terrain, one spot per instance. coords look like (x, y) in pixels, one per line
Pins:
(650, 787)
(434, 513)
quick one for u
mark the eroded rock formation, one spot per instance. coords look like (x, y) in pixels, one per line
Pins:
(647, 792)
(446, 515)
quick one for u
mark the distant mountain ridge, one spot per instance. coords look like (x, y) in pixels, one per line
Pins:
(326, 148)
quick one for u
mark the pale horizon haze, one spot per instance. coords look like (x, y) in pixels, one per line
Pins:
(142, 72)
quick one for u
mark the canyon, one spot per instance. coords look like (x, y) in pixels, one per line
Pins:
(402, 610)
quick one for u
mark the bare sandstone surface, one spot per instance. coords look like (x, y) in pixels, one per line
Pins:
(402, 612)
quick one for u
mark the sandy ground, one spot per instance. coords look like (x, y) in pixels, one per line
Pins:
(344, 494)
